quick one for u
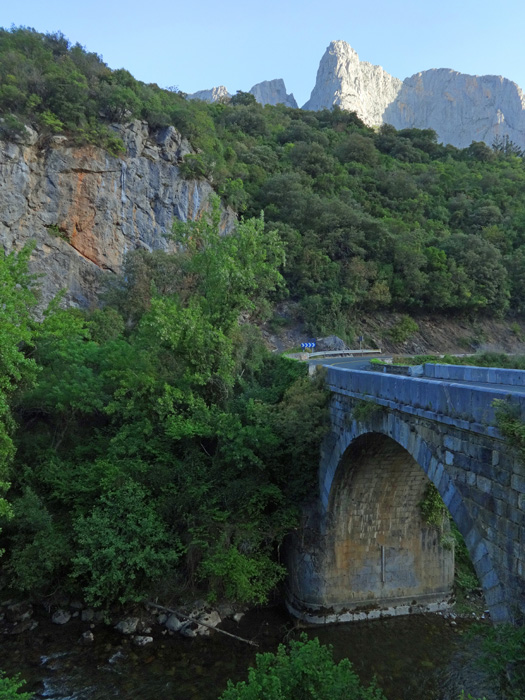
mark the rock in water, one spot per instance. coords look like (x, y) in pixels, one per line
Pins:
(273, 92)
(60, 617)
(128, 625)
(173, 623)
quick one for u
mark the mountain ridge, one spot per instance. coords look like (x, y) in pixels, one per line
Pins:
(459, 107)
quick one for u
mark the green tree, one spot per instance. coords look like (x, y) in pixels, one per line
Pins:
(303, 671)
(10, 687)
(232, 273)
(122, 547)
(17, 303)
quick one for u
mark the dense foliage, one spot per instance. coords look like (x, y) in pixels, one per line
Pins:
(10, 687)
(370, 219)
(502, 657)
(303, 671)
(159, 442)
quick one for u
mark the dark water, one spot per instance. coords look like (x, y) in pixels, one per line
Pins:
(414, 658)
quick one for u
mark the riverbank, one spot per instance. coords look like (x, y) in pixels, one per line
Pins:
(423, 656)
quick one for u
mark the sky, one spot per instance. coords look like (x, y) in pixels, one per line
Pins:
(199, 45)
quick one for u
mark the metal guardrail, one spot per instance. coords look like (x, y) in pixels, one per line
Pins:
(332, 353)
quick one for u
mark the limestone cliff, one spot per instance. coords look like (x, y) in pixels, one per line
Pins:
(86, 209)
(358, 86)
(273, 92)
(216, 94)
(460, 108)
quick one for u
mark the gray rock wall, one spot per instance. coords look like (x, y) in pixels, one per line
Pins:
(86, 209)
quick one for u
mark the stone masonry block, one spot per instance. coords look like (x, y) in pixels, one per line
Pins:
(494, 595)
(484, 484)
(489, 580)
(517, 482)
(500, 613)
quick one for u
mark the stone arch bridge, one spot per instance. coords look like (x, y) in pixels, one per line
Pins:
(363, 549)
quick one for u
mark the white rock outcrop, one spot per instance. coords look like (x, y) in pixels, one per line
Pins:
(460, 108)
(273, 92)
(354, 85)
(216, 94)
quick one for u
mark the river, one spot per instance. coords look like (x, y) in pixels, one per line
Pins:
(419, 657)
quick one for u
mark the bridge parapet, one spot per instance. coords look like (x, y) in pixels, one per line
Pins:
(463, 406)
(489, 375)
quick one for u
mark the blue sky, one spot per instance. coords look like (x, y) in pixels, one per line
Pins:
(203, 44)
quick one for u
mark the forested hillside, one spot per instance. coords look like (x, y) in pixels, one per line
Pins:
(369, 220)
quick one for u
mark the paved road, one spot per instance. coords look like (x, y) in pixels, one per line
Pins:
(346, 362)
(363, 363)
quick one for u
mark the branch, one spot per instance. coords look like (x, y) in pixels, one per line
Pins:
(198, 622)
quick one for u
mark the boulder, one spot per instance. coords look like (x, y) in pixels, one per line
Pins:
(128, 625)
(331, 342)
(61, 617)
(17, 612)
(87, 615)
(173, 623)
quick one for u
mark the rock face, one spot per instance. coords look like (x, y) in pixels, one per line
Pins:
(86, 209)
(460, 108)
(273, 92)
(345, 81)
(216, 94)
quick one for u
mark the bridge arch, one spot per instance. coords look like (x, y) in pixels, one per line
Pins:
(340, 574)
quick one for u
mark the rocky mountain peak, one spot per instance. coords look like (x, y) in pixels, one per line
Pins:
(215, 94)
(273, 92)
(460, 108)
(358, 86)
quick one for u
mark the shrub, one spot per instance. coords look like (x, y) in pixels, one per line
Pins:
(403, 329)
(9, 688)
(123, 547)
(304, 670)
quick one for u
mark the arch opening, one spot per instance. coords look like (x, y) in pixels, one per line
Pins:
(381, 551)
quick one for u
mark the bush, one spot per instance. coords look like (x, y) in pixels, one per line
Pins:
(304, 670)
(9, 688)
(123, 547)
(403, 329)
